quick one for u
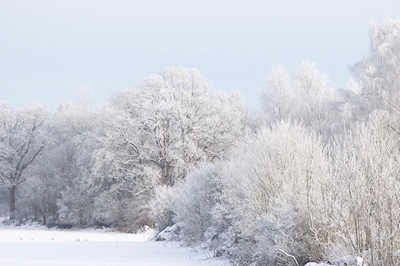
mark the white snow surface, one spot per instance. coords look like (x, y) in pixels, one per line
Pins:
(37, 245)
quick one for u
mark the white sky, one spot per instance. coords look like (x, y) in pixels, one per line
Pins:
(50, 49)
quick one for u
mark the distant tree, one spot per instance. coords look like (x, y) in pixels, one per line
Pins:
(22, 139)
(308, 80)
(311, 90)
(278, 100)
(306, 98)
(378, 72)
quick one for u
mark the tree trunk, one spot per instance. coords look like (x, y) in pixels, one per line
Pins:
(44, 218)
(13, 191)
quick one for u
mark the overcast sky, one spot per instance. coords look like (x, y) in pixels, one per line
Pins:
(50, 49)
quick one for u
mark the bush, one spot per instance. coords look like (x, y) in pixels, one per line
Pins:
(199, 194)
(162, 208)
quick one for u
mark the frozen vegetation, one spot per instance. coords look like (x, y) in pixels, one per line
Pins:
(313, 179)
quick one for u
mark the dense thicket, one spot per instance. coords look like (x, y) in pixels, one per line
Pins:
(318, 180)
(314, 178)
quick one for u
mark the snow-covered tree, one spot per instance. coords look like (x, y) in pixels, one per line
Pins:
(77, 132)
(364, 203)
(176, 120)
(379, 72)
(278, 100)
(22, 139)
(313, 97)
(306, 98)
(308, 80)
(163, 129)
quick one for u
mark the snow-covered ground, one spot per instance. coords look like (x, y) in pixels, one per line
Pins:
(36, 245)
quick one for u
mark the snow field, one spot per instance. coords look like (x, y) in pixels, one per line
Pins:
(24, 247)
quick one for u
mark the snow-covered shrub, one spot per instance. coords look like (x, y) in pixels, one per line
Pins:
(285, 237)
(123, 200)
(162, 208)
(276, 171)
(199, 194)
(170, 233)
(38, 199)
(365, 195)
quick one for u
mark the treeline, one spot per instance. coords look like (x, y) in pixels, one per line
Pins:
(90, 165)
(314, 177)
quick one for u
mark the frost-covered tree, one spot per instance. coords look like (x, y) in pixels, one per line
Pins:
(308, 80)
(313, 97)
(40, 194)
(364, 198)
(161, 130)
(176, 120)
(306, 98)
(345, 108)
(22, 139)
(278, 100)
(378, 72)
(77, 132)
